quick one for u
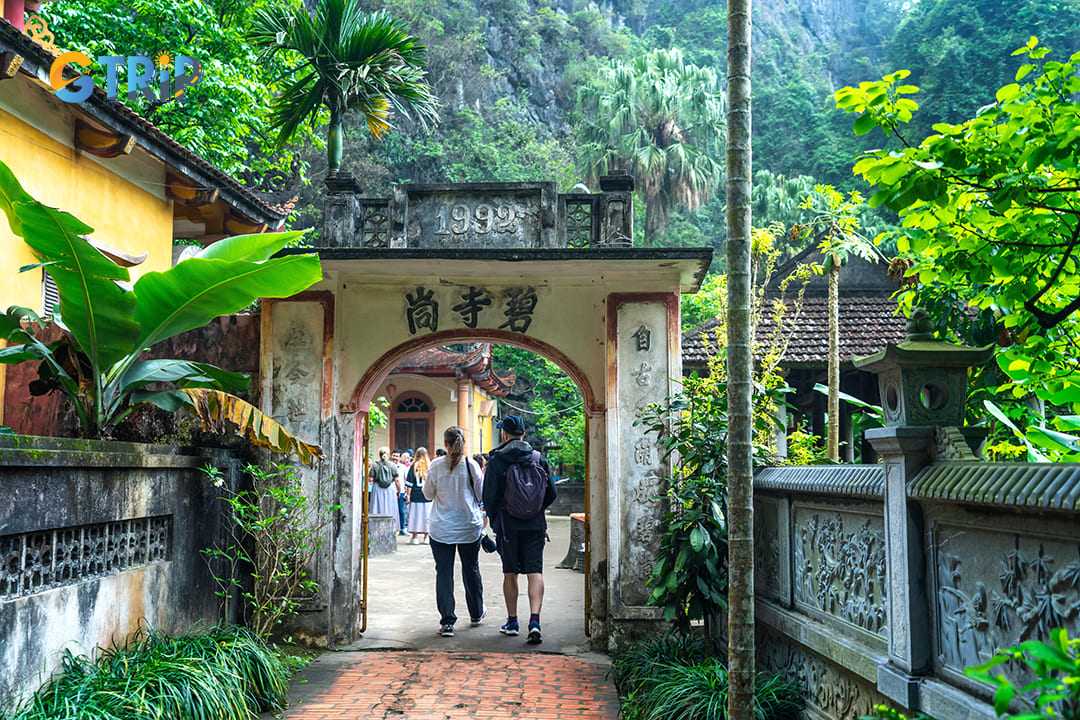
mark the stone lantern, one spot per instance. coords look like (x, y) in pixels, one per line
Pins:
(923, 381)
(923, 384)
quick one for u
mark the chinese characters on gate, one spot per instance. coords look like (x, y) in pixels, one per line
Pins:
(516, 307)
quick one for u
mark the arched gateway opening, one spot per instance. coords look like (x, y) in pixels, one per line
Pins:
(431, 267)
(376, 379)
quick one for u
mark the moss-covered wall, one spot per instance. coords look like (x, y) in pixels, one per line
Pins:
(95, 539)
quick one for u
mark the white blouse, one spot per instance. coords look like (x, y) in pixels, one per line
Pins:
(456, 516)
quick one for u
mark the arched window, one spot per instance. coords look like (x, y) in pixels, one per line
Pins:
(414, 404)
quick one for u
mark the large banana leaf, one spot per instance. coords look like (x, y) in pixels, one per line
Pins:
(18, 353)
(194, 292)
(11, 328)
(96, 310)
(11, 192)
(254, 248)
(215, 407)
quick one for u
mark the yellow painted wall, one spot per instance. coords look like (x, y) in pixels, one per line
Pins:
(124, 216)
(481, 440)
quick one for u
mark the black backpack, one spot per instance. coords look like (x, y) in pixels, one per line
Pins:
(525, 488)
(384, 473)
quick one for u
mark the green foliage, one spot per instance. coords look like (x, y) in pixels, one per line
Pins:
(706, 303)
(1055, 691)
(677, 677)
(554, 403)
(275, 531)
(226, 673)
(1039, 440)
(502, 144)
(660, 118)
(108, 326)
(884, 712)
(1052, 694)
(223, 116)
(689, 579)
(869, 416)
(349, 60)
(959, 50)
(989, 212)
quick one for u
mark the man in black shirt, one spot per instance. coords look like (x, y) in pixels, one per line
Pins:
(520, 540)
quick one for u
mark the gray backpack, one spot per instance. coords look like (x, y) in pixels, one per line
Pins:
(384, 473)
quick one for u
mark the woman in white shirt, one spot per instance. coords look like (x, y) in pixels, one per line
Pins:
(454, 484)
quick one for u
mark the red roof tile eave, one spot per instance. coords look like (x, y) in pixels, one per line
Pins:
(437, 362)
(123, 119)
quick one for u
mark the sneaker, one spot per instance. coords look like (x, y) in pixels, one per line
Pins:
(446, 630)
(509, 628)
(478, 620)
(413, 541)
(534, 634)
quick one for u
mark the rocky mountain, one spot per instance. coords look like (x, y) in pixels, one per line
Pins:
(506, 72)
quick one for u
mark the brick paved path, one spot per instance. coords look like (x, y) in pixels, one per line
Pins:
(452, 686)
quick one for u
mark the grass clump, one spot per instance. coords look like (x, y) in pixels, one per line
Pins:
(678, 677)
(225, 673)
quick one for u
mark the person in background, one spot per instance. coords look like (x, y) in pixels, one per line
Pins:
(455, 486)
(418, 505)
(384, 482)
(400, 459)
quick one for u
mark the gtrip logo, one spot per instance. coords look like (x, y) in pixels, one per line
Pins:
(153, 78)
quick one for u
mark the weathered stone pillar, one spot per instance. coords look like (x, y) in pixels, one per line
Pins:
(923, 384)
(339, 218)
(616, 210)
(464, 393)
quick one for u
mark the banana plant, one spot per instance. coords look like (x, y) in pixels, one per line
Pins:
(108, 323)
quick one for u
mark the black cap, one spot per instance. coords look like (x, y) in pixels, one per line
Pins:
(513, 425)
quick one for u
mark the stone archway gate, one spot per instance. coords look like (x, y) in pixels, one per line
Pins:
(517, 264)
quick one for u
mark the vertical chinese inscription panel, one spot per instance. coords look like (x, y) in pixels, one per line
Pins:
(643, 379)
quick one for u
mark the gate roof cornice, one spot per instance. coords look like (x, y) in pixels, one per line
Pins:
(689, 265)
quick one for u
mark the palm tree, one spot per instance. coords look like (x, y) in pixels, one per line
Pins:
(741, 662)
(661, 119)
(349, 60)
(836, 226)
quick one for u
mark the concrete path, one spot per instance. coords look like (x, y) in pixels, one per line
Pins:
(403, 669)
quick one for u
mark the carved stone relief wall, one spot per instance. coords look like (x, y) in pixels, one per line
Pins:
(840, 566)
(996, 588)
(643, 374)
(831, 692)
(37, 561)
(296, 389)
(296, 392)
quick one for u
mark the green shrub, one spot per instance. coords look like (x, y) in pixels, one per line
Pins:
(676, 677)
(226, 673)
(276, 530)
(1053, 694)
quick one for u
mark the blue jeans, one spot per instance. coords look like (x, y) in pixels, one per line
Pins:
(401, 511)
(444, 578)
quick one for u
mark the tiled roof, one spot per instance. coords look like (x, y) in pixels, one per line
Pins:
(866, 325)
(437, 358)
(122, 118)
(476, 364)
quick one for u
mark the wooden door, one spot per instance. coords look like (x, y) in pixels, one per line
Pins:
(411, 433)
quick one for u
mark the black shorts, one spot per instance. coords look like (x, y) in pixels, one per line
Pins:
(522, 551)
